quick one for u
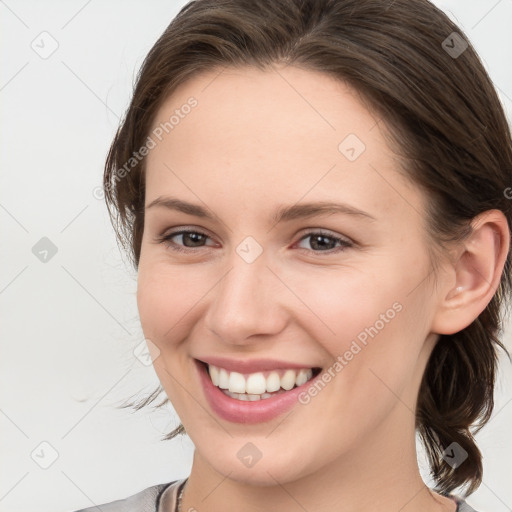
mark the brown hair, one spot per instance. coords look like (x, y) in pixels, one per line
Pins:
(431, 90)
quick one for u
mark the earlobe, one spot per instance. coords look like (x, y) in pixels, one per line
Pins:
(477, 272)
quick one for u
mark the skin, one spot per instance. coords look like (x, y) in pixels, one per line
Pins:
(258, 140)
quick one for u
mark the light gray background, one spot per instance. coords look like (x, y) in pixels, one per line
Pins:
(70, 325)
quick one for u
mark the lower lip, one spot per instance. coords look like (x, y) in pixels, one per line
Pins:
(239, 411)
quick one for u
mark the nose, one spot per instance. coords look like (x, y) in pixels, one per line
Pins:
(248, 301)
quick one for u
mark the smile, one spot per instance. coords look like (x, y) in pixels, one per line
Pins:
(259, 385)
(256, 396)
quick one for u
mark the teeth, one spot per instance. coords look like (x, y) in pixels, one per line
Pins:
(214, 375)
(288, 380)
(302, 377)
(250, 398)
(273, 382)
(223, 379)
(256, 386)
(236, 383)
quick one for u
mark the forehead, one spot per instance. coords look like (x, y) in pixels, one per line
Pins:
(277, 135)
(281, 108)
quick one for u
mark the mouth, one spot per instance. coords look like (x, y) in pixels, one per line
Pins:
(253, 397)
(259, 385)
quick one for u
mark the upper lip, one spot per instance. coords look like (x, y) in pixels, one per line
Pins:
(251, 366)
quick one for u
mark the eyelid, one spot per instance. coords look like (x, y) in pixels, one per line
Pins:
(326, 232)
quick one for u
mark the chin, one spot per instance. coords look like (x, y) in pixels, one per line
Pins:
(246, 464)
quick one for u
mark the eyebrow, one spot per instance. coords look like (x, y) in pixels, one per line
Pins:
(282, 214)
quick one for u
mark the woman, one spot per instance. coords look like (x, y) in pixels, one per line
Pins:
(314, 196)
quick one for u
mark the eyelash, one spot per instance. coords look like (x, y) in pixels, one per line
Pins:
(166, 240)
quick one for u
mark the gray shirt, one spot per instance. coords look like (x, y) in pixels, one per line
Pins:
(162, 498)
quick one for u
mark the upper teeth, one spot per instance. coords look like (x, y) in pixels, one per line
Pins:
(258, 383)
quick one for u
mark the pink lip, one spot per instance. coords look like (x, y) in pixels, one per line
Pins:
(256, 365)
(239, 411)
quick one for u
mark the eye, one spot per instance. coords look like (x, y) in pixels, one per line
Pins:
(326, 242)
(189, 239)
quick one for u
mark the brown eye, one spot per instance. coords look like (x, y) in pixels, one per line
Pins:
(325, 242)
(187, 240)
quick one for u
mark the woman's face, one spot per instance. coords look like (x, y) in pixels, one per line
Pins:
(273, 282)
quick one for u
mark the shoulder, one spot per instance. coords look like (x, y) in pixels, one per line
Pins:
(143, 501)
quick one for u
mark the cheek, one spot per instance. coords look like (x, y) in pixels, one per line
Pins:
(153, 304)
(166, 299)
(372, 326)
(349, 305)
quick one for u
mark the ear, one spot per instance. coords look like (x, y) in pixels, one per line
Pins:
(474, 274)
